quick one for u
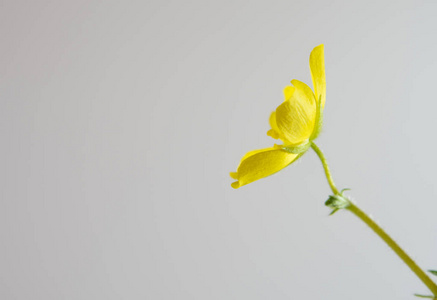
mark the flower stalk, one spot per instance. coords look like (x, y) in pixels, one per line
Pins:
(325, 166)
(353, 208)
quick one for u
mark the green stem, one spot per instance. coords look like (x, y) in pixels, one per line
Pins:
(378, 230)
(395, 247)
(325, 166)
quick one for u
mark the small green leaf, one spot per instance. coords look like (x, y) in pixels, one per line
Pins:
(337, 202)
(343, 190)
(424, 296)
(334, 211)
(433, 272)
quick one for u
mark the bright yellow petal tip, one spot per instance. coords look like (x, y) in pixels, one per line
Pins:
(317, 67)
(235, 184)
(288, 91)
(274, 132)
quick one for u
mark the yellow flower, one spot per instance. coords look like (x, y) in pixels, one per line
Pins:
(296, 122)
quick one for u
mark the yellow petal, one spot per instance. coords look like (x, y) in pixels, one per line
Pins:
(295, 118)
(274, 132)
(288, 91)
(317, 66)
(302, 90)
(261, 163)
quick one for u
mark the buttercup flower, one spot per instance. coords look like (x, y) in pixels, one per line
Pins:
(296, 122)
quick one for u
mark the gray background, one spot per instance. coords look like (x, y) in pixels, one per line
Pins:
(120, 121)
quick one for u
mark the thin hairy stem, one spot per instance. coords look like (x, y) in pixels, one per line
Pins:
(377, 229)
(325, 166)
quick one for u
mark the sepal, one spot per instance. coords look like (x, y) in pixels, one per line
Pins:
(301, 148)
(337, 202)
(433, 272)
(318, 124)
(425, 296)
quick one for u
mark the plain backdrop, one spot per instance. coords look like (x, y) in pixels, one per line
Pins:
(121, 120)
